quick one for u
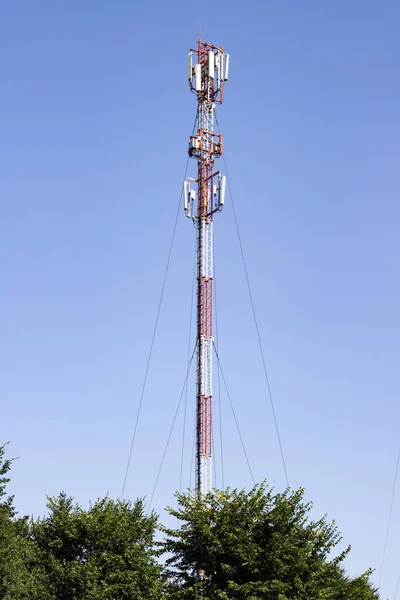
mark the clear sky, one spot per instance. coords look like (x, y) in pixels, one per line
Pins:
(95, 118)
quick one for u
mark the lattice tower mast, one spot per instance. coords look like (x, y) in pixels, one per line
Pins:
(206, 79)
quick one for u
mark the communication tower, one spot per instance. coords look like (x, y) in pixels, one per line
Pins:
(206, 79)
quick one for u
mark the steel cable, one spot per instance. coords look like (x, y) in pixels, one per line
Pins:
(188, 357)
(234, 414)
(219, 374)
(256, 321)
(389, 518)
(397, 589)
(155, 326)
(171, 429)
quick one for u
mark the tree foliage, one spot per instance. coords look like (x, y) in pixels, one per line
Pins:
(21, 573)
(103, 553)
(256, 545)
(246, 546)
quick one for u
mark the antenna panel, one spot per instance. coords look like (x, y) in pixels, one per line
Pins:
(190, 66)
(197, 78)
(226, 67)
(211, 63)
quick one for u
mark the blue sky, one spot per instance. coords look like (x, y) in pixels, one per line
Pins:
(95, 118)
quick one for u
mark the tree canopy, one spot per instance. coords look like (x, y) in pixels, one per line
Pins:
(256, 545)
(231, 545)
(104, 552)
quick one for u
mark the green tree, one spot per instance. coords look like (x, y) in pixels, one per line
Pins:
(7, 530)
(103, 553)
(256, 545)
(21, 574)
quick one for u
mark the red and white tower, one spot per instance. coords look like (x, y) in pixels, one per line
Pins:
(206, 79)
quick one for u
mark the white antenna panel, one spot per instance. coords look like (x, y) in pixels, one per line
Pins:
(226, 67)
(197, 76)
(190, 65)
(185, 195)
(217, 68)
(222, 190)
(211, 63)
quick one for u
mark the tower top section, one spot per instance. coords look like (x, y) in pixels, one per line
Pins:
(208, 75)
